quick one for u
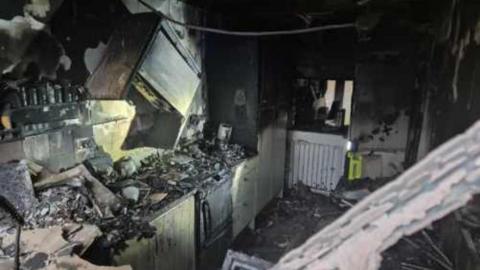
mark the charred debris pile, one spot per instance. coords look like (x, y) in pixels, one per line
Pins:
(99, 200)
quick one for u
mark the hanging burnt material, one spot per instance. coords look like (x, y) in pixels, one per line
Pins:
(123, 54)
(165, 87)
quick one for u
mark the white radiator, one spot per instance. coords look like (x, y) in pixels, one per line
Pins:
(316, 159)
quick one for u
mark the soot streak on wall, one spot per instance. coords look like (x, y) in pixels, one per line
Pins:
(453, 96)
(384, 83)
(456, 72)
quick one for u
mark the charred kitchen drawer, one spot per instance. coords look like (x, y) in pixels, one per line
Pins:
(243, 195)
(249, 165)
(173, 247)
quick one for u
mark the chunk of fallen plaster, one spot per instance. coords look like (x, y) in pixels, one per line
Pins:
(81, 233)
(16, 186)
(126, 167)
(51, 240)
(158, 197)
(104, 198)
(131, 193)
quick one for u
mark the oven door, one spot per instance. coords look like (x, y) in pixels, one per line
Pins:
(215, 211)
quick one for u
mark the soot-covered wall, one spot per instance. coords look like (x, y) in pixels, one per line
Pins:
(383, 94)
(455, 71)
(452, 102)
(328, 55)
(232, 66)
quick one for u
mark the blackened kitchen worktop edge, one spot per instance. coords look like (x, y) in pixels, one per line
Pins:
(172, 205)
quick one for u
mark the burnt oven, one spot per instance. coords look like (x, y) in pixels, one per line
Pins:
(215, 209)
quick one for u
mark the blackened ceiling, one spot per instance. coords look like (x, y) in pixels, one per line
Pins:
(10, 9)
(271, 14)
(303, 6)
(82, 24)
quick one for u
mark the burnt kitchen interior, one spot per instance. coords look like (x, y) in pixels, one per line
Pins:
(239, 134)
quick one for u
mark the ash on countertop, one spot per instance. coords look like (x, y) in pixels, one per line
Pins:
(122, 199)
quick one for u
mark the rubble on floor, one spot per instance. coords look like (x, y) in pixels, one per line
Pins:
(16, 187)
(417, 252)
(441, 183)
(286, 223)
(420, 251)
(468, 222)
(119, 200)
(50, 248)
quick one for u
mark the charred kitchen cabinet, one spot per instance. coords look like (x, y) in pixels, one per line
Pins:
(272, 119)
(244, 194)
(271, 161)
(173, 247)
(255, 180)
(149, 63)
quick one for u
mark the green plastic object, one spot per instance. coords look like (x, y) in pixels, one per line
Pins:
(355, 161)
